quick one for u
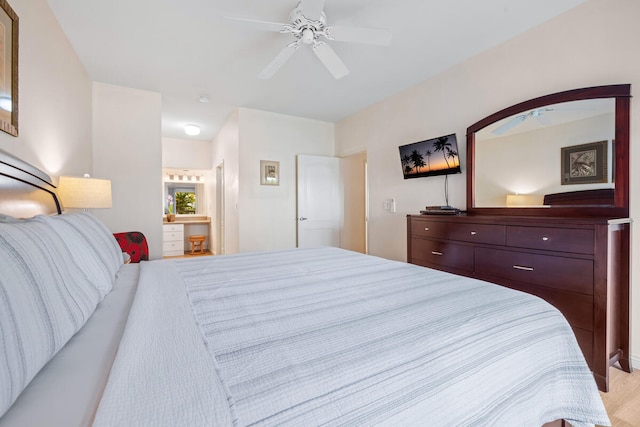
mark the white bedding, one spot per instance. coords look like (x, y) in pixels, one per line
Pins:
(326, 336)
(66, 392)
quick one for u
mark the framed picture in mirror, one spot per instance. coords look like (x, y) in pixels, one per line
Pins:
(584, 163)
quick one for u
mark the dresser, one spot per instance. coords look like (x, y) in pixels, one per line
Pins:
(579, 265)
(172, 239)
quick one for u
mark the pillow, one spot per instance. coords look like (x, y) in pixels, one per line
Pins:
(45, 298)
(94, 248)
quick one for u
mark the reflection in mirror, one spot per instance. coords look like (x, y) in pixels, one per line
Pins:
(185, 191)
(519, 159)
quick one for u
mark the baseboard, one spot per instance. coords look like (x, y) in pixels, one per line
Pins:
(635, 362)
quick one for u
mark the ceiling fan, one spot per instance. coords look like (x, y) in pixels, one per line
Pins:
(538, 114)
(308, 25)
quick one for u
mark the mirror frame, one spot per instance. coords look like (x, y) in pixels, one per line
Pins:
(622, 95)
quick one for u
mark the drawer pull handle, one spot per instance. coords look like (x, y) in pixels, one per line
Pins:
(436, 253)
(545, 238)
(473, 233)
(520, 267)
(426, 229)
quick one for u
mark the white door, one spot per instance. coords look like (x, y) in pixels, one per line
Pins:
(319, 201)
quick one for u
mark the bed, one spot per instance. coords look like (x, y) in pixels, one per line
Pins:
(297, 337)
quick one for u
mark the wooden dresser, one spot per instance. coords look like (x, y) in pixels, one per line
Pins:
(580, 265)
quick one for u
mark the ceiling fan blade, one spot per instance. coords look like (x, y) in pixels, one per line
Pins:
(510, 124)
(328, 57)
(278, 61)
(375, 36)
(312, 9)
(543, 119)
(259, 25)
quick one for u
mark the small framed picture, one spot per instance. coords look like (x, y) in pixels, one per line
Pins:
(269, 172)
(584, 164)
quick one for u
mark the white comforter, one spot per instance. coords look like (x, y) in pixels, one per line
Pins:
(330, 337)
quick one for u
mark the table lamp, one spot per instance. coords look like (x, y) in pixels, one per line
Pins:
(84, 193)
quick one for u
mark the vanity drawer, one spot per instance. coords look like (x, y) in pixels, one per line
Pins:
(442, 253)
(477, 233)
(574, 240)
(173, 236)
(567, 274)
(173, 227)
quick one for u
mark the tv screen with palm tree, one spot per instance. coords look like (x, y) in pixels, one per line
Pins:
(436, 156)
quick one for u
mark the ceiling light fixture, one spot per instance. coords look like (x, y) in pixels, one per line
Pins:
(192, 130)
(204, 99)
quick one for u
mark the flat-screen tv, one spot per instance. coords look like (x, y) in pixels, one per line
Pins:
(436, 156)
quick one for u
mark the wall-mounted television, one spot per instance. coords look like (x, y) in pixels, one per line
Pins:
(436, 156)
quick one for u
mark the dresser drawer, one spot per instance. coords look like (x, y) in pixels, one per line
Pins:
(576, 308)
(567, 274)
(477, 233)
(442, 253)
(579, 241)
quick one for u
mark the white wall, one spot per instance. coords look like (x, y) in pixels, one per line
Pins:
(225, 150)
(268, 213)
(186, 154)
(127, 149)
(54, 97)
(590, 45)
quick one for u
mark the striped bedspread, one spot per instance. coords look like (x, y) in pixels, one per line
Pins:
(330, 337)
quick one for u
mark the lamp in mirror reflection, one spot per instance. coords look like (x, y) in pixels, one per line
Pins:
(84, 192)
(515, 200)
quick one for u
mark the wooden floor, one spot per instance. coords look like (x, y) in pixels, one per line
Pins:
(188, 255)
(623, 399)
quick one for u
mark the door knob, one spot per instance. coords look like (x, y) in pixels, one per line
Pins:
(302, 218)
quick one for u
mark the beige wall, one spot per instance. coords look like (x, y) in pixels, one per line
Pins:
(54, 98)
(591, 45)
(530, 162)
(127, 149)
(353, 236)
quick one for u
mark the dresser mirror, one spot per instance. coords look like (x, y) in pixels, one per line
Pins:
(571, 147)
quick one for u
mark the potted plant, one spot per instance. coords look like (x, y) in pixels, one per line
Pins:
(170, 216)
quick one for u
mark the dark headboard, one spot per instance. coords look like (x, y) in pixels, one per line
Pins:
(25, 191)
(601, 197)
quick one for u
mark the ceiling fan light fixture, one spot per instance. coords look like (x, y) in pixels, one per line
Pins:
(192, 130)
(308, 36)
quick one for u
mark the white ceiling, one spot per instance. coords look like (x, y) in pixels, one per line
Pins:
(184, 49)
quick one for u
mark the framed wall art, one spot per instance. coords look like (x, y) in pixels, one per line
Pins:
(269, 172)
(8, 69)
(584, 164)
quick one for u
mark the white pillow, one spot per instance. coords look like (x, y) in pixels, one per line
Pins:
(45, 298)
(91, 244)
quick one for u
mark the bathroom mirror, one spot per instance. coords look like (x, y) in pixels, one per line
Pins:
(183, 192)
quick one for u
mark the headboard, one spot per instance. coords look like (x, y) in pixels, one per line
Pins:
(25, 191)
(604, 196)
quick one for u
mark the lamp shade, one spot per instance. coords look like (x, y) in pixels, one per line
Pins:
(523, 200)
(84, 193)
